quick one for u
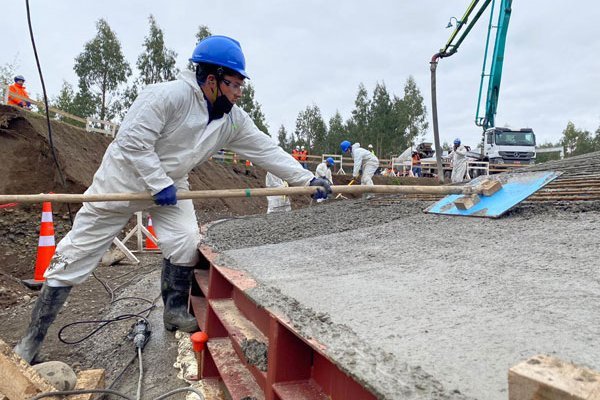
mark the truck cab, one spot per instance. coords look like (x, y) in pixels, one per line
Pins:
(508, 146)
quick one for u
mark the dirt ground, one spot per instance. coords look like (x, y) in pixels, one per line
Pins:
(421, 306)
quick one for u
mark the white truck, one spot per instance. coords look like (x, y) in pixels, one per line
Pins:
(507, 146)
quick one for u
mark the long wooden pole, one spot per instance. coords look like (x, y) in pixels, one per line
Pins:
(229, 193)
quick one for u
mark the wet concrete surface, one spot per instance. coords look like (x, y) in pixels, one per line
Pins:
(423, 306)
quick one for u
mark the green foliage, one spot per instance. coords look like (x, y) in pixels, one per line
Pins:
(576, 141)
(101, 68)
(337, 133)
(543, 157)
(253, 108)
(282, 139)
(203, 32)
(311, 130)
(156, 63)
(415, 112)
(68, 101)
(7, 73)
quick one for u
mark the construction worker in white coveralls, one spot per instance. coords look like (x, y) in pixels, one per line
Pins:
(170, 128)
(459, 162)
(364, 161)
(324, 171)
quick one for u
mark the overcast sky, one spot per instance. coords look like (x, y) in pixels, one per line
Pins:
(300, 52)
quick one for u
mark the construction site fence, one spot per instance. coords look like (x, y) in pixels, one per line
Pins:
(91, 124)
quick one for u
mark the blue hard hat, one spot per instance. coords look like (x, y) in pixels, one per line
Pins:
(330, 161)
(19, 78)
(223, 51)
(345, 145)
(457, 141)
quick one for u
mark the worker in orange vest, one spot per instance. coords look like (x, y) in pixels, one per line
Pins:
(19, 89)
(296, 153)
(303, 157)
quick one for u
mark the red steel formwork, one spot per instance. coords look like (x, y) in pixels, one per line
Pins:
(297, 368)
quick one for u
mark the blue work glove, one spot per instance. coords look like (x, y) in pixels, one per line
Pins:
(28, 104)
(166, 197)
(324, 183)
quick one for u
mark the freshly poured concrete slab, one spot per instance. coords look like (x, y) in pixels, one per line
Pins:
(429, 306)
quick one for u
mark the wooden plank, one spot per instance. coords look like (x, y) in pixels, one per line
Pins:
(490, 187)
(20, 381)
(466, 202)
(547, 378)
(89, 379)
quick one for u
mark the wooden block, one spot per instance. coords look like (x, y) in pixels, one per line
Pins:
(489, 187)
(89, 379)
(548, 378)
(466, 202)
(19, 380)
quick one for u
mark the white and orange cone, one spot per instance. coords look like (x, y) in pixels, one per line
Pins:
(150, 245)
(46, 247)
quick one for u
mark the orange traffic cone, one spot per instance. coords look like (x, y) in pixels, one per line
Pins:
(150, 245)
(46, 247)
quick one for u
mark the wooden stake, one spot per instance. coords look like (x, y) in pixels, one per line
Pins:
(548, 378)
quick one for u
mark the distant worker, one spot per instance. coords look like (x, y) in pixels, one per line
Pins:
(416, 164)
(18, 88)
(363, 160)
(324, 169)
(303, 157)
(296, 153)
(459, 162)
(277, 203)
(370, 146)
(171, 128)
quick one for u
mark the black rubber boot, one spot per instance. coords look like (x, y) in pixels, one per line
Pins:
(175, 288)
(47, 306)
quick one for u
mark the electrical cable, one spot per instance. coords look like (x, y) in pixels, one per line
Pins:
(85, 391)
(139, 389)
(103, 323)
(50, 141)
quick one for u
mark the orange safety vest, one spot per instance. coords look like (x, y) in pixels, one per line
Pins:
(416, 160)
(295, 154)
(18, 90)
(303, 155)
(248, 163)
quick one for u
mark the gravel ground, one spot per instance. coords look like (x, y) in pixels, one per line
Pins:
(424, 306)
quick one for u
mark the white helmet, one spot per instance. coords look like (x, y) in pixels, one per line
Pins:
(297, 147)
(370, 146)
(302, 147)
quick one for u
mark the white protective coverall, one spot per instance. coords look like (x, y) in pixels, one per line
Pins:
(459, 164)
(163, 136)
(365, 160)
(323, 171)
(277, 203)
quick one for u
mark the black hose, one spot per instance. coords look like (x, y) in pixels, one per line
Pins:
(39, 68)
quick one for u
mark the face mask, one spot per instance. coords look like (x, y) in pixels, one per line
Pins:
(221, 106)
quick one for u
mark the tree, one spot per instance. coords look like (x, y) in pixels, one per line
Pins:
(101, 68)
(337, 133)
(156, 63)
(282, 139)
(253, 108)
(359, 122)
(543, 157)
(203, 32)
(576, 141)
(311, 129)
(416, 112)
(7, 73)
(70, 102)
(381, 130)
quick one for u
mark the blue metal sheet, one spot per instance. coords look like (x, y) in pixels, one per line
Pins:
(516, 187)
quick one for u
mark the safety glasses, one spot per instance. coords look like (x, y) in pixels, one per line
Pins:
(234, 85)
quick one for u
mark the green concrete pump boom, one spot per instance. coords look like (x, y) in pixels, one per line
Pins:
(463, 27)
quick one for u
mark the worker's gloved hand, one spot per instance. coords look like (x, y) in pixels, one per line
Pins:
(323, 193)
(28, 104)
(166, 197)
